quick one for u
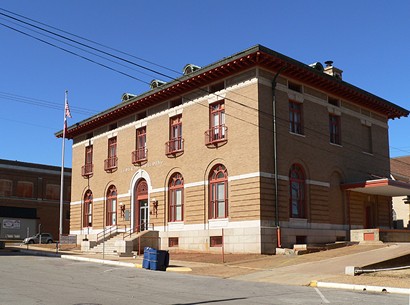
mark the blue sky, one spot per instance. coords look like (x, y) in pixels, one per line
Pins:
(368, 40)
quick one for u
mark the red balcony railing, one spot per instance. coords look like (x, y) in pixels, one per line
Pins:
(87, 170)
(110, 164)
(215, 135)
(140, 155)
(174, 146)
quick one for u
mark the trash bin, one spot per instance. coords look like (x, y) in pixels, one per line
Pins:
(159, 260)
(146, 260)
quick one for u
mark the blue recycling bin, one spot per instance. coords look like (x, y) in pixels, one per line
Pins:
(146, 260)
(159, 260)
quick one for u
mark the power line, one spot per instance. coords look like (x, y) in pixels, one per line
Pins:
(87, 46)
(79, 48)
(73, 53)
(43, 103)
(94, 42)
(258, 111)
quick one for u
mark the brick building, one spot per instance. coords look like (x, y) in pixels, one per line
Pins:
(252, 152)
(30, 199)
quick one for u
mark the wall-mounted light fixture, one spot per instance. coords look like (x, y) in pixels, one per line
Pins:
(155, 206)
(122, 209)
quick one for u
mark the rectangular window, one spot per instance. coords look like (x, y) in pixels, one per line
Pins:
(216, 241)
(216, 87)
(111, 162)
(25, 189)
(334, 129)
(367, 139)
(87, 169)
(53, 191)
(173, 242)
(175, 143)
(217, 130)
(176, 102)
(140, 153)
(294, 87)
(6, 187)
(333, 101)
(295, 117)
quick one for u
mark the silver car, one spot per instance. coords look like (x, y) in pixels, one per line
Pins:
(46, 238)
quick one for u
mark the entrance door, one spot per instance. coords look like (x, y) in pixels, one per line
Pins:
(141, 206)
(143, 214)
(369, 217)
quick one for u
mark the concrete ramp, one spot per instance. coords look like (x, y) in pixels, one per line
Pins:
(304, 273)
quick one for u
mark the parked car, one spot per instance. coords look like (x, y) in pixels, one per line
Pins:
(46, 238)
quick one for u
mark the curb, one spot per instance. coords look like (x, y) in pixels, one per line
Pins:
(360, 287)
(101, 261)
(96, 260)
(39, 253)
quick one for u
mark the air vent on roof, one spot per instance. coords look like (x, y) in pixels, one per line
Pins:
(333, 71)
(317, 66)
(155, 83)
(126, 96)
(189, 68)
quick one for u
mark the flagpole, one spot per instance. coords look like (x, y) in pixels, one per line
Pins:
(62, 168)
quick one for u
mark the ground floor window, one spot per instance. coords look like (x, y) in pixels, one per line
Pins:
(111, 213)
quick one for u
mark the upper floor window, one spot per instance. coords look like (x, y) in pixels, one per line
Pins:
(111, 210)
(87, 169)
(217, 130)
(53, 191)
(335, 129)
(297, 192)
(140, 153)
(176, 198)
(176, 142)
(6, 188)
(111, 162)
(216, 87)
(25, 189)
(367, 140)
(294, 87)
(218, 192)
(296, 117)
(88, 209)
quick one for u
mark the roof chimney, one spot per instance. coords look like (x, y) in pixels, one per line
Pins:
(331, 70)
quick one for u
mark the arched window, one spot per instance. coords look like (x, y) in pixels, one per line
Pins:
(297, 192)
(218, 192)
(111, 211)
(88, 209)
(176, 198)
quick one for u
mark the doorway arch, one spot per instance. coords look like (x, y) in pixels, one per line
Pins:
(141, 206)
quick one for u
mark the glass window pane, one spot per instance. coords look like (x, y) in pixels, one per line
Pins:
(178, 213)
(221, 191)
(178, 197)
(221, 208)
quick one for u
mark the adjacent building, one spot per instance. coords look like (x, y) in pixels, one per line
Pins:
(400, 170)
(253, 152)
(30, 199)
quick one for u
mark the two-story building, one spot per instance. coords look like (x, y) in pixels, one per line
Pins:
(252, 152)
(30, 199)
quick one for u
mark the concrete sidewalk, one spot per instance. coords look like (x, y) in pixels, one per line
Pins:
(321, 269)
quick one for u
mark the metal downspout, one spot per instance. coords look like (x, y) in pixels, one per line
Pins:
(275, 154)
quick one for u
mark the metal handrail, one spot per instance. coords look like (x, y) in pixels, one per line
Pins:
(131, 231)
(216, 134)
(107, 233)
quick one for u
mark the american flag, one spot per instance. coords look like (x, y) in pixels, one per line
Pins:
(67, 109)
